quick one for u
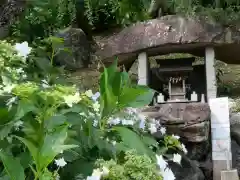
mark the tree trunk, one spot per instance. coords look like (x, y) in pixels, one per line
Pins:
(82, 20)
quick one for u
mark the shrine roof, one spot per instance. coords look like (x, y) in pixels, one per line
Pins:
(172, 34)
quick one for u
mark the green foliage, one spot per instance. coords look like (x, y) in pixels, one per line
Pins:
(43, 18)
(41, 124)
(133, 167)
(118, 92)
(115, 12)
(12, 167)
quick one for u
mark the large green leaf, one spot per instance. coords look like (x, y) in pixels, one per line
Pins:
(133, 141)
(31, 147)
(24, 107)
(5, 130)
(6, 122)
(108, 99)
(74, 118)
(55, 120)
(117, 84)
(80, 166)
(108, 103)
(136, 96)
(53, 145)
(25, 159)
(107, 77)
(46, 175)
(12, 167)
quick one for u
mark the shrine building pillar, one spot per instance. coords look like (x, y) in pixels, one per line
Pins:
(210, 73)
(143, 69)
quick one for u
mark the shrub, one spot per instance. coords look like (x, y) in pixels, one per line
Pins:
(52, 130)
(43, 18)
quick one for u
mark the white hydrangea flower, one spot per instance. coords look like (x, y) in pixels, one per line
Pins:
(8, 88)
(114, 143)
(176, 137)
(142, 121)
(45, 83)
(177, 158)
(142, 124)
(126, 122)
(19, 70)
(105, 171)
(152, 128)
(96, 96)
(91, 114)
(24, 76)
(96, 177)
(72, 99)
(163, 130)
(161, 162)
(95, 123)
(18, 124)
(23, 49)
(184, 149)
(57, 177)
(97, 172)
(60, 162)
(141, 117)
(96, 106)
(131, 110)
(82, 114)
(89, 93)
(114, 121)
(11, 101)
(168, 174)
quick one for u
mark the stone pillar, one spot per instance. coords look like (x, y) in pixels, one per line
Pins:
(221, 139)
(143, 69)
(220, 125)
(210, 73)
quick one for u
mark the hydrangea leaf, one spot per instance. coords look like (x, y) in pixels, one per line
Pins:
(12, 167)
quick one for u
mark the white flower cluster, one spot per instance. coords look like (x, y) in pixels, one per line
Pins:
(70, 100)
(60, 162)
(132, 117)
(23, 49)
(98, 173)
(182, 146)
(165, 171)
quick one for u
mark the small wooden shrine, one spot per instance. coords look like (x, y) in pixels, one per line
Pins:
(174, 74)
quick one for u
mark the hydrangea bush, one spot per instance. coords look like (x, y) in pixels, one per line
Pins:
(52, 131)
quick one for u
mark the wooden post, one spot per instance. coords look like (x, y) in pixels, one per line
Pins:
(143, 69)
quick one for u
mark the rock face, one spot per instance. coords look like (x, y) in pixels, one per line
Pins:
(78, 54)
(197, 138)
(171, 34)
(9, 11)
(191, 171)
(191, 122)
(188, 120)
